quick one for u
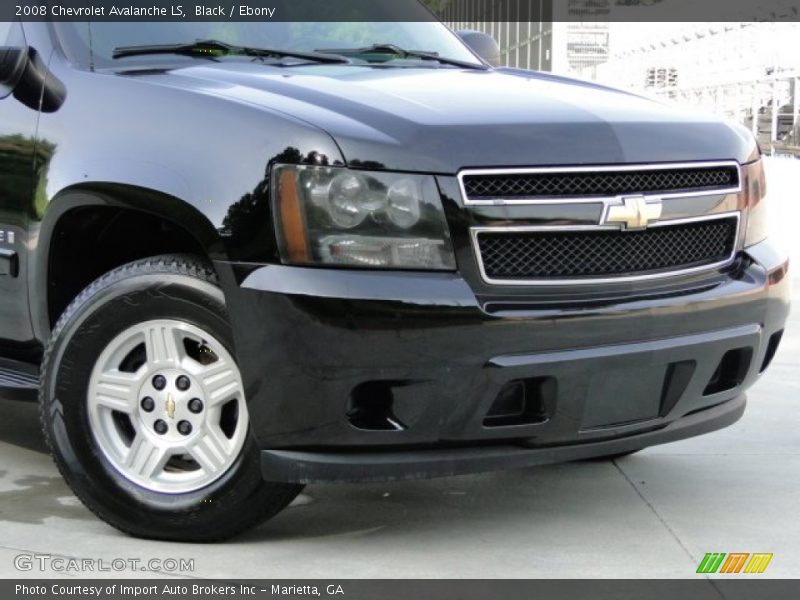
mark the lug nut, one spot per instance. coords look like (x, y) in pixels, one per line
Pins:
(184, 427)
(196, 405)
(159, 382)
(161, 427)
(183, 383)
(148, 404)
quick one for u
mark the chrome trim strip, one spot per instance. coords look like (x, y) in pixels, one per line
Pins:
(523, 201)
(476, 231)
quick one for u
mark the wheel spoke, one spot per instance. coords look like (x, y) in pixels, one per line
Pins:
(144, 458)
(210, 450)
(221, 383)
(162, 343)
(138, 444)
(117, 390)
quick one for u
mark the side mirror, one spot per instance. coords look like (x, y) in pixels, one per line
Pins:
(24, 74)
(483, 45)
(38, 88)
(13, 61)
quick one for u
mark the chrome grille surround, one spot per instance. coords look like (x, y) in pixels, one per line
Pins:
(592, 198)
(605, 202)
(590, 279)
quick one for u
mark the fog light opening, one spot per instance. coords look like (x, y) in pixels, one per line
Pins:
(371, 407)
(523, 402)
(731, 372)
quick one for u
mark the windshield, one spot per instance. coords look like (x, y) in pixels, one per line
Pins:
(104, 37)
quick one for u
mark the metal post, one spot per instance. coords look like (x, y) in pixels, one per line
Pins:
(774, 126)
(541, 34)
(508, 33)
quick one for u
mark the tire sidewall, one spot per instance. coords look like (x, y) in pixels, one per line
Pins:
(86, 330)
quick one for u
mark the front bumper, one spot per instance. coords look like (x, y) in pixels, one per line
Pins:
(375, 375)
(318, 467)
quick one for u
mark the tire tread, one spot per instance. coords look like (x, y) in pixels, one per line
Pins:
(279, 496)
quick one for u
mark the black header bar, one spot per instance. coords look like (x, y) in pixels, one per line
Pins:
(401, 10)
(739, 588)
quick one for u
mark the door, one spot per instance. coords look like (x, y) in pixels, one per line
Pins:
(17, 147)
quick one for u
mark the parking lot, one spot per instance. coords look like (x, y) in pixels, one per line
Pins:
(654, 514)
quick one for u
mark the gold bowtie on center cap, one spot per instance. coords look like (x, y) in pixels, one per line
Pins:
(170, 406)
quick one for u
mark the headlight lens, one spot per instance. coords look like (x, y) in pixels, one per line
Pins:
(755, 197)
(403, 205)
(336, 216)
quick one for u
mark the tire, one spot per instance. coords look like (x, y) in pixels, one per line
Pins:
(101, 399)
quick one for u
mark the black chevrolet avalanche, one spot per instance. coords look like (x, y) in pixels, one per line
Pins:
(239, 258)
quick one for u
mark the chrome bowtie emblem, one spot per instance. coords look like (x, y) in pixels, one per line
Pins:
(635, 212)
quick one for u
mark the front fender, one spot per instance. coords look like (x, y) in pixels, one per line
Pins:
(94, 193)
(192, 158)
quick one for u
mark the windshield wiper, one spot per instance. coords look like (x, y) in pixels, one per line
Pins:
(216, 48)
(399, 52)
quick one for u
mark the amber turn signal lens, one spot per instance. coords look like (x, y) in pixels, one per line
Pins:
(756, 182)
(291, 217)
(754, 193)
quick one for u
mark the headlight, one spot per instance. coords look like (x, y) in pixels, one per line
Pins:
(403, 203)
(755, 198)
(335, 216)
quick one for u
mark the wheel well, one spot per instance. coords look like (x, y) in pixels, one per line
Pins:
(90, 241)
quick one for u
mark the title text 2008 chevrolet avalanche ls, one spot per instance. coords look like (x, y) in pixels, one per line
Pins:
(236, 259)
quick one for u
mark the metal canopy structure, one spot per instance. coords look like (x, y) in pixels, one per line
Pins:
(748, 72)
(745, 71)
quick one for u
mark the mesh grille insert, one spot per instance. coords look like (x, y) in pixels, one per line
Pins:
(600, 183)
(604, 253)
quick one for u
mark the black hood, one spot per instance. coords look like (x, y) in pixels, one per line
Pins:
(443, 120)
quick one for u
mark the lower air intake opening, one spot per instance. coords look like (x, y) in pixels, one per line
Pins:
(772, 348)
(371, 407)
(523, 402)
(731, 371)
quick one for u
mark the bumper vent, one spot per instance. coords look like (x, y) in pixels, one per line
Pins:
(509, 256)
(562, 184)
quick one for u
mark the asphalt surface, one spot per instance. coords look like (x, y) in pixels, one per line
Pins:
(654, 514)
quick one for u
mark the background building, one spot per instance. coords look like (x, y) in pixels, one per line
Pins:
(525, 45)
(575, 45)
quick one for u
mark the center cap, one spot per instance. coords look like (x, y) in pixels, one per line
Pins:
(171, 405)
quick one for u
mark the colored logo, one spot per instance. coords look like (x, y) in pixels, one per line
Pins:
(736, 562)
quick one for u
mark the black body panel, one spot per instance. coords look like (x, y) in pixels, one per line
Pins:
(344, 361)
(434, 359)
(198, 142)
(317, 467)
